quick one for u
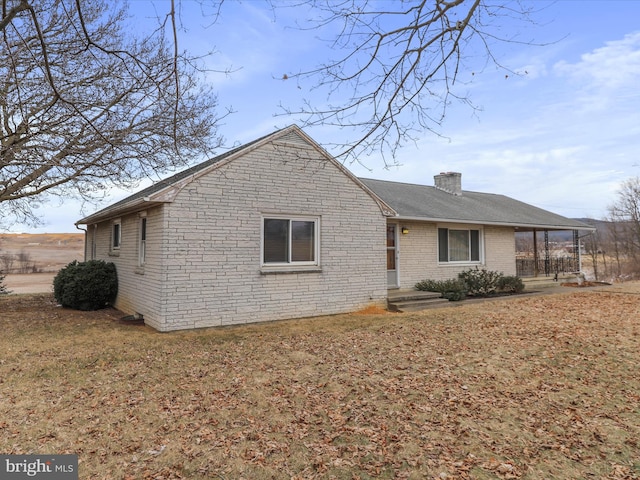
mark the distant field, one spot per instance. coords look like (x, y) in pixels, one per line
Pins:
(38, 253)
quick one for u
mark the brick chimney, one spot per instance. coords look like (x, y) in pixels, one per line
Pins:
(450, 182)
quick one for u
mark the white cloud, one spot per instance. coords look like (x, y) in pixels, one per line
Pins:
(612, 67)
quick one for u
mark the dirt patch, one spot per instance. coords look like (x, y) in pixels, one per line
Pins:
(530, 388)
(584, 284)
(30, 282)
(372, 310)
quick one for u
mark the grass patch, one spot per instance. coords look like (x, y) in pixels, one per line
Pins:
(538, 387)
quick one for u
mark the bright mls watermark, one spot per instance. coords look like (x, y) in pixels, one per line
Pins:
(39, 467)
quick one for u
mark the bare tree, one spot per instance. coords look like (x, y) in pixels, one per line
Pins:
(6, 260)
(3, 287)
(85, 105)
(25, 264)
(615, 241)
(626, 212)
(592, 247)
(398, 65)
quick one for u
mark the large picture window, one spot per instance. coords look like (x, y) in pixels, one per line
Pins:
(290, 241)
(458, 245)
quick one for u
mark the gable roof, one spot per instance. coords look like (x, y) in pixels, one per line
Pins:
(426, 203)
(165, 190)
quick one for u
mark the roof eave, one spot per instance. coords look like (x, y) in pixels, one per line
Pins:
(528, 226)
(109, 214)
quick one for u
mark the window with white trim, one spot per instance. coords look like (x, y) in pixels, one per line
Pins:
(290, 241)
(142, 245)
(116, 234)
(94, 244)
(459, 245)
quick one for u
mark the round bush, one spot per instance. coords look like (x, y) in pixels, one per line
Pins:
(88, 285)
(511, 284)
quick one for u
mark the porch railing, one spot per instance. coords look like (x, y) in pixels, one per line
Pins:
(526, 267)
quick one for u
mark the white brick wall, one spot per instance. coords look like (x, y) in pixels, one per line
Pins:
(501, 249)
(138, 287)
(418, 253)
(204, 249)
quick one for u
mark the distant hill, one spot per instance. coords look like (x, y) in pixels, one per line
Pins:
(41, 252)
(567, 235)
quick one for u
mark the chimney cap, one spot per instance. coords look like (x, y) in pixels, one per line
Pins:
(450, 182)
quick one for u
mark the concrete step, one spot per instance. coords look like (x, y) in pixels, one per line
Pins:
(533, 283)
(401, 295)
(416, 305)
(413, 300)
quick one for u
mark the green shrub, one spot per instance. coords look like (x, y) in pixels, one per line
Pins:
(510, 284)
(455, 295)
(428, 286)
(3, 287)
(86, 285)
(453, 290)
(480, 282)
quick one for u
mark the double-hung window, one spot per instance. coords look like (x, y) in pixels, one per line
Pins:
(116, 234)
(459, 245)
(142, 247)
(290, 241)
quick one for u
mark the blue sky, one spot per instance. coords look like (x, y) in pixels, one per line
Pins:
(563, 136)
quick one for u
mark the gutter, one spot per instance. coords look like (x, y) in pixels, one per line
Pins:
(107, 214)
(497, 224)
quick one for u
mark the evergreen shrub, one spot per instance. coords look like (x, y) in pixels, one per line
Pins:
(3, 287)
(480, 282)
(453, 289)
(90, 285)
(510, 284)
(474, 282)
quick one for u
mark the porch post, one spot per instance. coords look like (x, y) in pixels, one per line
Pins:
(546, 253)
(535, 253)
(576, 250)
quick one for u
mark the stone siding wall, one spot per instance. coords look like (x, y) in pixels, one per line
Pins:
(212, 251)
(418, 254)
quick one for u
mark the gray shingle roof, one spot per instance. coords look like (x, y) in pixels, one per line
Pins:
(156, 187)
(155, 193)
(169, 181)
(421, 202)
(410, 201)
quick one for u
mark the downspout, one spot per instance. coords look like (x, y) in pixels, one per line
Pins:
(85, 241)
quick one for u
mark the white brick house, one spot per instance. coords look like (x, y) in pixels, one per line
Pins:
(278, 229)
(274, 229)
(439, 231)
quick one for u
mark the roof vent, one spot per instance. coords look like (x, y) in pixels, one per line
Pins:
(450, 182)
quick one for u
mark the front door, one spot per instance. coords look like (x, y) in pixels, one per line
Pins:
(392, 256)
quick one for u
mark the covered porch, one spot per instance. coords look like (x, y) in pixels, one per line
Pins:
(538, 256)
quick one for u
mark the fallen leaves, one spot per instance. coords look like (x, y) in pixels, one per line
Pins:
(539, 387)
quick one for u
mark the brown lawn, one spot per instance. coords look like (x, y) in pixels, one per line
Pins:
(538, 387)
